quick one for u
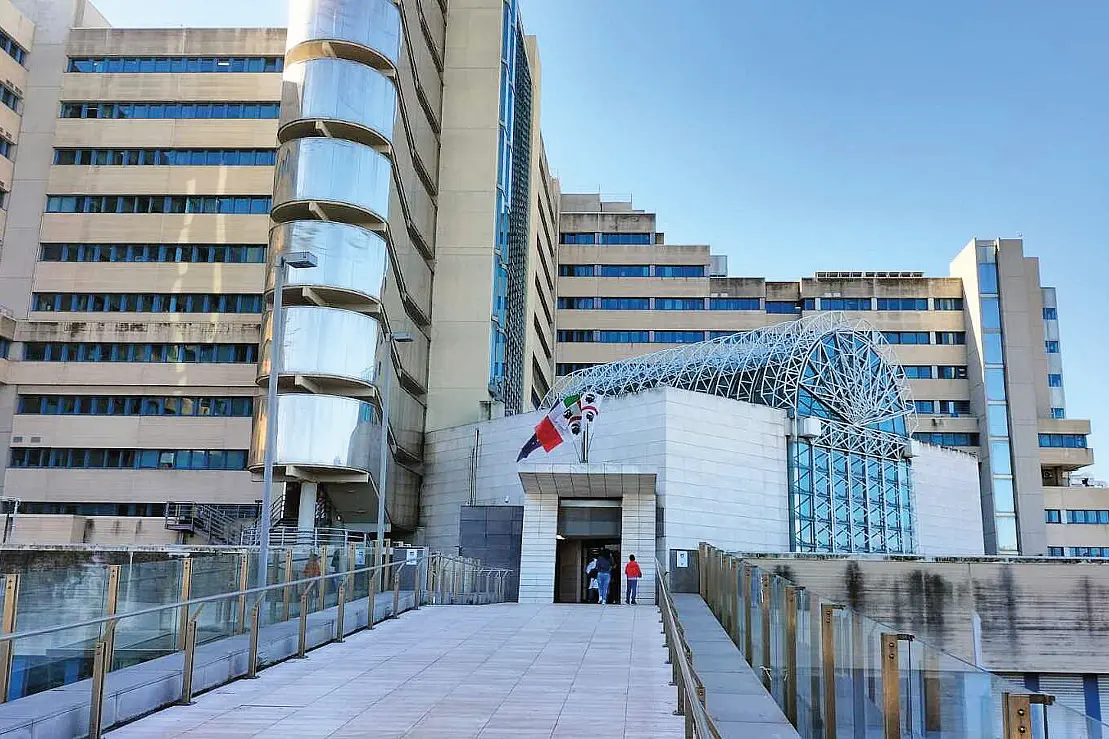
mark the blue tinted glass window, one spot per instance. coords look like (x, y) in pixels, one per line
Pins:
(575, 303)
(625, 270)
(679, 270)
(902, 303)
(148, 65)
(783, 307)
(1058, 412)
(918, 371)
(624, 337)
(950, 337)
(626, 239)
(579, 238)
(1052, 515)
(575, 270)
(735, 304)
(679, 304)
(987, 278)
(1051, 347)
(679, 337)
(1050, 314)
(1055, 380)
(925, 406)
(625, 303)
(949, 303)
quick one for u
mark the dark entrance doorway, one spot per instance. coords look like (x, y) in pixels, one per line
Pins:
(585, 527)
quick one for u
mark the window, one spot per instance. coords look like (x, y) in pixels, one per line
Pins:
(951, 337)
(575, 336)
(1063, 441)
(735, 304)
(7, 148)
(1053, 515)
(951, 372)
(193, 459)
(1051, 314)
(256, 205)
(625, 270)
(926, 407)
(1058, 413)
(15, 51)
(991, 347)
(679, 337)
(230, 253)
(1055, 551)
(1098, 517)
(176, 64)
(146, 303)
(566, 368)
(997, 419)
(576, 303)
(147, 510)
(902, 303)
(1089, 552)
(722, 334)
(1051, 347)
(192, 157)
(625, 303)
(918, 371)
(1054, 380)
(679, 304)
(134, 405)
(946, 438)
(171, 110)
(9, 98)
(788, 307)
(906, 337)
(578, 238)
(679, 270)
(575, 270)
(987, 278)
(845, 304)
(633, 239)
(57, 351)
(954, 408)
(624, 337)
(948, 303)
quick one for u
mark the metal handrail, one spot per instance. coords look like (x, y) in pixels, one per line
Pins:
(691, 691)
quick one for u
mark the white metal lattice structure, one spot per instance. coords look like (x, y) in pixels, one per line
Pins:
(830, 366)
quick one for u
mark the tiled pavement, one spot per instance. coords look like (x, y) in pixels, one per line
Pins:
(455, 671)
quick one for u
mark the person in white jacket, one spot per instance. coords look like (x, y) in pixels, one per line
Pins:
(591, 573)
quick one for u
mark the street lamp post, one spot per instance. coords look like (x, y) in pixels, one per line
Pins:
(297, 260)
(384, 387)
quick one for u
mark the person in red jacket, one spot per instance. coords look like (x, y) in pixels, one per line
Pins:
(632, 573)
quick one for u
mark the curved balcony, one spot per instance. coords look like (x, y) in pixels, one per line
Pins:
(331, 179)
(326, 350)
(351, 268)
(319, 437)
(366, 31)
(337, 98)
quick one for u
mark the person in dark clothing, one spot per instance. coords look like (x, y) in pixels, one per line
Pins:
(604, 575)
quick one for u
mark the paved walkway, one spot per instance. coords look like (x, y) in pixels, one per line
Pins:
(455, 671)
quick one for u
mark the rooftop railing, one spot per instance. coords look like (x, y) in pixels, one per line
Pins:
(837, 673)
(109, 619)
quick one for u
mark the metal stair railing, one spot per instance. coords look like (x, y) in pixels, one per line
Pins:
(210, 520)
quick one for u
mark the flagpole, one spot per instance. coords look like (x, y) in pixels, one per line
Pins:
(585, 443)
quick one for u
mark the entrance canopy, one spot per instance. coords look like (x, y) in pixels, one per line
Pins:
(588, 480)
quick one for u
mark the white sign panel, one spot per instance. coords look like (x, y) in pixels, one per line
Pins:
(411, 556)
(683, 559)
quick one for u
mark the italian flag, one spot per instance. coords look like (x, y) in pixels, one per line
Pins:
(555, 427)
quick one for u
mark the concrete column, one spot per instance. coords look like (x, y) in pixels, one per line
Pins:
(306, 519)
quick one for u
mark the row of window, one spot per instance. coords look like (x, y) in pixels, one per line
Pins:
(14, 50)
(135, 405)
(1063, 441)
(621, 239)
(171, 110)
(57, 351)
(146, 303)
(1084, 516)
(130, 459)
(9, 97)
(631, 270)
(230, 253)
(149, 510)
(943, 407)
(242, 204)
(634, 337)
(1079, 552)
(947, 438)
(175, 64)
(168, 157)
(566, 368)
(885, 304)
(939, 372)
(925, 337)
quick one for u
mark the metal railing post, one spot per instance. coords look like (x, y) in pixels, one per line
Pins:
(244, 583)
(790, 625)
(891, 683)
(7, 626)
(252, 664)
(108, 632)
(339, 633)
(828, 658)
(766, 667)
(748, 619)
(96, 701)
(287, 592)
(302, 632)
(702, 568)
(186, 587)
(371, 595)
(190, 661)
(396, 590)
(323, 580)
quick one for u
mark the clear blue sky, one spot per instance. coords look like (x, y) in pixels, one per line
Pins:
(798, 136)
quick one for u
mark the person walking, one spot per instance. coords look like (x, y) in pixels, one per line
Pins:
(604, 575)
(632, 573)
(591, 577)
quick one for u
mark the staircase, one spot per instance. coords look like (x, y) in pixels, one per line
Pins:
(218, 524)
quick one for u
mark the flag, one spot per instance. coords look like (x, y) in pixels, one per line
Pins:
(555, 427)
(566, 419)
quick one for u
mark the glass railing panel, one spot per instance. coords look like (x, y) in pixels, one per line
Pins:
(144, 585)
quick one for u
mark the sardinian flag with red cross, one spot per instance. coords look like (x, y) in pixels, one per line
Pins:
(565, 420)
